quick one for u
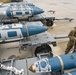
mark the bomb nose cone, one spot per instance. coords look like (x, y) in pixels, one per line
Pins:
(45, 28)
(37, 10)
(42, 28)
(36, 29)
(32, 68)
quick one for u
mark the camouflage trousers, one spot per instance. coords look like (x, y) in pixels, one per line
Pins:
(70, 45)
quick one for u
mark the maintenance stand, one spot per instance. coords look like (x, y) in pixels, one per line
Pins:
(40, 41)
(46, 18)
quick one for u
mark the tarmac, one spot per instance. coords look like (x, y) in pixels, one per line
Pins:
(63, 8)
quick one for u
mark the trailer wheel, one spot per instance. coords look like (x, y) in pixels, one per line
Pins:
(49, 23)
(43, 49)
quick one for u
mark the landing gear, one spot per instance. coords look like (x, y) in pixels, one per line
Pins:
(43, 49)
(49, 22)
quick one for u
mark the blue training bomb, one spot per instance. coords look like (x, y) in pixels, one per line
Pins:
(58, 63)
(12, 32)
(20, 10)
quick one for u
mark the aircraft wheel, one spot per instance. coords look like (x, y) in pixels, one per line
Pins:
(43, 49)
(49, 23)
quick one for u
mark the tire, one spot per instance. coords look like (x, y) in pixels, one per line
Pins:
(49, 23)
(43, 49)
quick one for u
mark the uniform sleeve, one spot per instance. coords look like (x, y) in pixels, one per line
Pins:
(71, 35)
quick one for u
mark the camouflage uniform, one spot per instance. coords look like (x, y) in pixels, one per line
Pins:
(72, 40)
